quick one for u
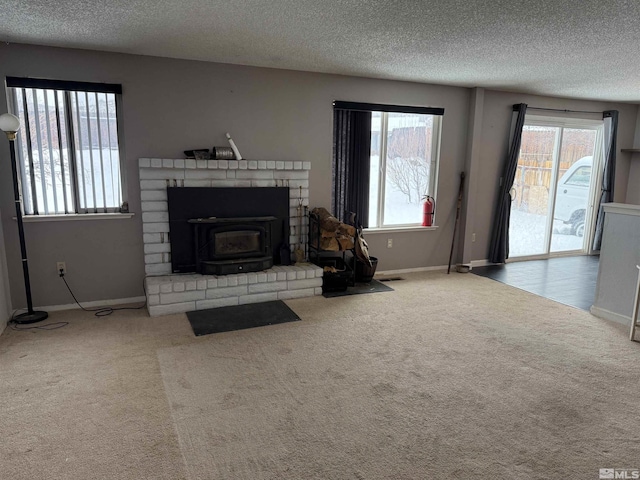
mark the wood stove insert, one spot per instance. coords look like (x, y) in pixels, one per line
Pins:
(192, 203)
(225, 246)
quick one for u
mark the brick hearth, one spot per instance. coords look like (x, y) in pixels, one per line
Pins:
(183, 293)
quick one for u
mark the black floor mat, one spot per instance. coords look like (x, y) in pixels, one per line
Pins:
(373, 287)
(239, 317)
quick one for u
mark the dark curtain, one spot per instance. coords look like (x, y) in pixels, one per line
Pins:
(351, 159)
(499, 248)
(609, 173)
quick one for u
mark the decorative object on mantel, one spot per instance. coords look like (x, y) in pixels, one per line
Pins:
(223, 153)
(233, 146)
(10, 124)
(200, 154)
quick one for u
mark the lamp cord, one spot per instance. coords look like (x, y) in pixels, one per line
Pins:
(105, 311)
(49, 326)
(98, 312)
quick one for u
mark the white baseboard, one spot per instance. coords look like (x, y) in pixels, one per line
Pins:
(609, 315)
(98, 303)
(413, 270)
(474, 263)
(482, 263)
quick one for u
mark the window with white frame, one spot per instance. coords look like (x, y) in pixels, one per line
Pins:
(403, 168)
(68, 146)
(385, 161)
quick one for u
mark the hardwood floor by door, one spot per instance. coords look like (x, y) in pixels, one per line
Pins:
(567, 280)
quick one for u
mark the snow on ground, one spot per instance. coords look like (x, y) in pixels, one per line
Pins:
(527, 235)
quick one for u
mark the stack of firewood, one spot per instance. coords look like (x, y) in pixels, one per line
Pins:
(335, 236)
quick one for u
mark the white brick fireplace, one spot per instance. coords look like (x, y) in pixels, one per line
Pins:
(168, 293)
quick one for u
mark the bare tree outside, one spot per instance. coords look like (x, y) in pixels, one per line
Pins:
(409, 159)
(402, 166)
(407, 167)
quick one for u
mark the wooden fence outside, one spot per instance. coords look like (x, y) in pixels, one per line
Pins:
(535, 165)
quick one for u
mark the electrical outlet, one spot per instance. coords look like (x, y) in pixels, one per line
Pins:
(389, 242)
(473, 237)
(61, 267)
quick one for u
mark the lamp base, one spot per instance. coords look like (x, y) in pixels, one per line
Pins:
(30, 317)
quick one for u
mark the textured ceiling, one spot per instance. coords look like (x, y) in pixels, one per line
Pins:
(570, 48)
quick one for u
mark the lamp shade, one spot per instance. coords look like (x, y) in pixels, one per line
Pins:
(9, 123)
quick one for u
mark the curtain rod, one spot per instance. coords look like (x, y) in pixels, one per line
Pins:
(26, 82)
(377, 107)
(561, 110)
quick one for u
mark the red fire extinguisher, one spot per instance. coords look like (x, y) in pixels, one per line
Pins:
(428, 207)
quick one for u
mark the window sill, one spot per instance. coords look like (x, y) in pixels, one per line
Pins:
(75, 216)
(418, 228)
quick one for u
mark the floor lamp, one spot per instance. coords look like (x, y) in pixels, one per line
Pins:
(10, 124)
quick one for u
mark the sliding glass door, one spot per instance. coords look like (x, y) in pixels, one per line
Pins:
(554, 189)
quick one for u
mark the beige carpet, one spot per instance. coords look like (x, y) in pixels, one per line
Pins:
(447, 377)
(86, 401)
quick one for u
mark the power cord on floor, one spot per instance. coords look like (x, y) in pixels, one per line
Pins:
(49, 326)
(98, 312)
(103, 311)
